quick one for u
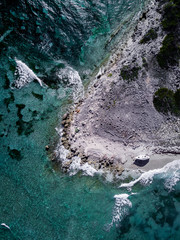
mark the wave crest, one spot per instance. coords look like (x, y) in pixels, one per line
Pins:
(23, 75)
(170, 172)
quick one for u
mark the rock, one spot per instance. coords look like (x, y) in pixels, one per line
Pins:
(107, 164)
(119, 169)
(69, 156)
(81, 155)
(73, 150)
(53, 157)
(67, 145)
(68, 121)
(63, 122)
(111, 162)
(65, 116)
(67, 164)
(47, 147)
(63, 139)
(84, 158)
(15, 154)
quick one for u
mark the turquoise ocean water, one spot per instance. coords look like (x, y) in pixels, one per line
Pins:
(62, 43)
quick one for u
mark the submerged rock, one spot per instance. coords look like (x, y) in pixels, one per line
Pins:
(15, 154)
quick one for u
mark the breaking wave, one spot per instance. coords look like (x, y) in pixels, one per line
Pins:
(170, 173)
(71, 78)
(75, 165)
(24, 75)
(120, 210)
(68, 76)
(5, 225)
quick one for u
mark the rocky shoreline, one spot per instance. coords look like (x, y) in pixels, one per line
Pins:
(102, 163)
(117, 120)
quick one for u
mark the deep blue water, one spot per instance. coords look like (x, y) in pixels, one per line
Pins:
(63, 42)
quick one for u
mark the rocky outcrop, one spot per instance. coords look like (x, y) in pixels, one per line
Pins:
(117, 120)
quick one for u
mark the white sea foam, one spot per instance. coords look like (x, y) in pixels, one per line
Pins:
(71, 77)
(5, 225)
(75, 166)
(109, 176)
(173, 180)
(100, 72)
(24, 75)
(170, 173)
(61, 152)
(120, 210)
(87, 169)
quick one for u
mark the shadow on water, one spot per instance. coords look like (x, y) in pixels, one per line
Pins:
(141, 163)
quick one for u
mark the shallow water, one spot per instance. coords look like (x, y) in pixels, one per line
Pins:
(61, 43)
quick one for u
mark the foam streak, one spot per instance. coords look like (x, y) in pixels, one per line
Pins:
(170, 172)
(24, 75)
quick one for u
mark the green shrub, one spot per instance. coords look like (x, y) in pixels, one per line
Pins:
(129, 74)
(169, 52)
(145, 64)
(177, 99)
(110, 75)
(170, 16)
(166, 101)
(76, 130)
(150, 35)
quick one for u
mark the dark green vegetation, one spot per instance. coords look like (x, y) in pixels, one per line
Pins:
(129, 74)
(144, 63)
(150, 35)
(167, 102)
(169, 53)
(171, 15)
(76, 130)
(110, 75)
(177, 98)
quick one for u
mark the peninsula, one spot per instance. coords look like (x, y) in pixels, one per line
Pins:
(133, 105)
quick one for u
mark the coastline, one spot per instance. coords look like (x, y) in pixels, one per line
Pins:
(100, 136)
